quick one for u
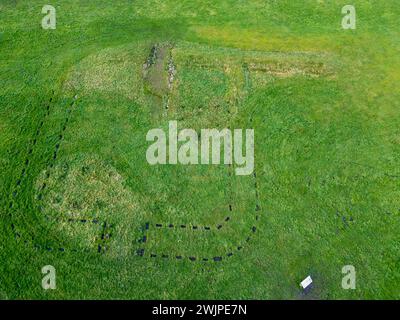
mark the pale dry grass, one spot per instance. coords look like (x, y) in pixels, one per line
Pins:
(88, 189)
(111, 71)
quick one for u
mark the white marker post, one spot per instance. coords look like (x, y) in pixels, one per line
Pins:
(306, 282)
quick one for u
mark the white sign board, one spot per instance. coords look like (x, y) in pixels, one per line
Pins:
(306, 282)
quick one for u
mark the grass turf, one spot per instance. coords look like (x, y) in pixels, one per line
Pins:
(75, 109)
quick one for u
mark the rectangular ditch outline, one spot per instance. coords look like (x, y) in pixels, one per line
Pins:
(30, 151)
(144, 238)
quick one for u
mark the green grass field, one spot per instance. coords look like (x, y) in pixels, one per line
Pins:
(77, 193)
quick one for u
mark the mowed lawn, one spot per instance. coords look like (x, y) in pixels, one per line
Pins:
(77, 193)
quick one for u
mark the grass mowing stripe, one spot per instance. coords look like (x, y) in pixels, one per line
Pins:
(19, 181)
